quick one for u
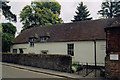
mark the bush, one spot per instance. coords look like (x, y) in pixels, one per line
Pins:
(76, 67)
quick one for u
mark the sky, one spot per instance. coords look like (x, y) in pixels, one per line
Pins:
(68, 8)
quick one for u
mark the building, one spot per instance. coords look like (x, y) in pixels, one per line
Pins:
(85, 41)
(112, 59)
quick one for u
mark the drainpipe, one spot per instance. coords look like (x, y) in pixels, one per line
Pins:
(95, 55)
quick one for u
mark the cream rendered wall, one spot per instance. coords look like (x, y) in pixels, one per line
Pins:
(22, 46)
(83, 50)
(52, 47)
(101, 52)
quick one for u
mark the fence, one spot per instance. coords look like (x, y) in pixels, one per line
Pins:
(85, 69)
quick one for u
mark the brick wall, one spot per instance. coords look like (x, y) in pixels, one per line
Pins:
(113, 40)
(112, 67)
(54, 62)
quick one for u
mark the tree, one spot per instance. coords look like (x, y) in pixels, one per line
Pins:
(6, 42)
(6, 11)
(8, 34)
(8, 28)
(0, 37)
(110, 9)
(40, 14)
(82, 13)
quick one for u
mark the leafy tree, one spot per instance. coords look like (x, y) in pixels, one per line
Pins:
(8, 28)
(0, 38)
(6, 11)
(8, 34)
(82, 13)
(6, 42)
(110, 9)
(40, 14)
(49, 4)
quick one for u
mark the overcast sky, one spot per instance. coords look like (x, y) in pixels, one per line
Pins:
(68, 8)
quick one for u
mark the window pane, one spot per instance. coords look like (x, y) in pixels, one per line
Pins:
(31, 44)
(14, 50)
(70, 49)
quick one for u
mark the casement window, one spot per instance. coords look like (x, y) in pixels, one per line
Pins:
(14, 50)
(70, 48)
(42, 39)
(31, 42)
(21, 50)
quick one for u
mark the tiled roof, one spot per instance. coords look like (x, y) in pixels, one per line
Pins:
(83, 30)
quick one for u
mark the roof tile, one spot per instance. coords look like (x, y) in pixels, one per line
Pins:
(83, 30)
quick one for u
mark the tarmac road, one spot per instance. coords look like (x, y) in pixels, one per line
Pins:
(12, 72)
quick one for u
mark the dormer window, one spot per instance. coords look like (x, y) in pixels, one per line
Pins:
(31, 40)
(42, 39)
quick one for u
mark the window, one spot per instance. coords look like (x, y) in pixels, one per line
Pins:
(43, 39)
(31, 42)
(14, 50)
(70, 48)
(21, 50)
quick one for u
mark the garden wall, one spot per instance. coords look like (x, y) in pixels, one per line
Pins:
(54, 62)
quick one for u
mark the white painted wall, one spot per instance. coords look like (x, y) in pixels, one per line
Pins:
(18, 46)
(83, 50)
(52, 47)
(101, 51)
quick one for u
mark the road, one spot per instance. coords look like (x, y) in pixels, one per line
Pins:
(12, 72)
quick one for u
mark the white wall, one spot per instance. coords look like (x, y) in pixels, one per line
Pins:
(101, 51)
(53, 48)
(83, 50)
(18, 46)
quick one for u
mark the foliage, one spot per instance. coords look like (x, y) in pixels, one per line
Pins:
(40, 14)
(76, 67)
(8, 34)
(110, 9)
(8, 28)
(0, 28)
(6, 41)
(6, 11)
(82, 13)
(54, 6)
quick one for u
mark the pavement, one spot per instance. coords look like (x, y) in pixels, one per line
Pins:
(51, 72)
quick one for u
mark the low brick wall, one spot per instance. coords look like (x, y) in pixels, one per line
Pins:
(54, 62)
(112, 68)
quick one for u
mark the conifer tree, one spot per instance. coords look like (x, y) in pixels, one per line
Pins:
(110, 9)
(82, 13)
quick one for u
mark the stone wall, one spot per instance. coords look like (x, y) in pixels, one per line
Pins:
(54, 62)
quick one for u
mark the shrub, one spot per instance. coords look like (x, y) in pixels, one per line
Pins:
(76, 67)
